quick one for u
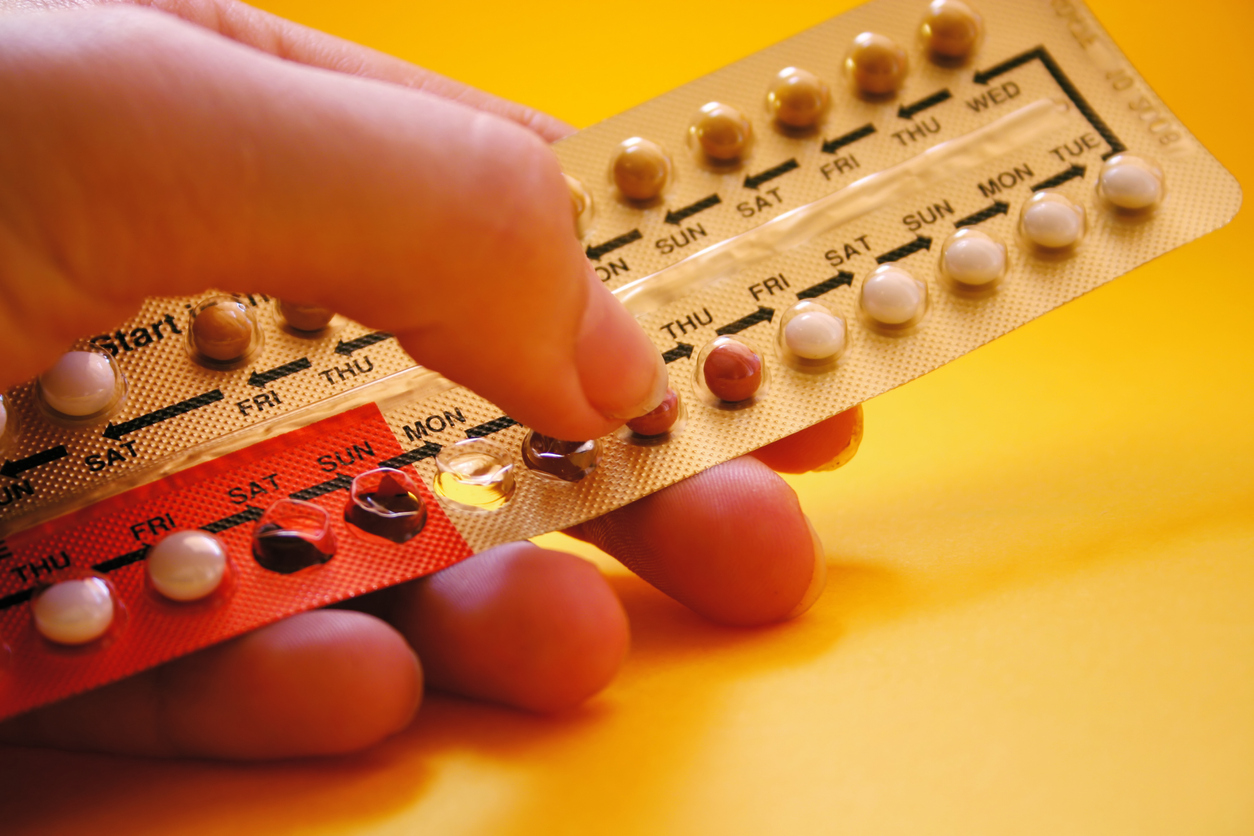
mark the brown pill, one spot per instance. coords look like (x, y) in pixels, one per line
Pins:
(733, 371)
(876, 64)
(305, 317)
(569, 461)
(222, 330)
(798, 98)
(723, 132)
(951, 29)
(660, 420)
(641, 169)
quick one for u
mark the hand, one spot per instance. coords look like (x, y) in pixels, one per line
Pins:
(203, 143)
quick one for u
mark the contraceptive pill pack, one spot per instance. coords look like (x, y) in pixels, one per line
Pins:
(799, 231)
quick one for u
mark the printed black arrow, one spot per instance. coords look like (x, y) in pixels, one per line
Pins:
(679, 352)
(488, 427)
(13, 468)
(1086, 110)
(249, 514)
(831, 146)
(260, 379)
(770, 174)
(116, 431)
(16, 598)
(426, 451)
(609, 246)
(1060, 178)
(816, 290)
(760, 315)
(908, 111)
(122, 560)
(677, 215)
(998, 208)
(921, 242)
(339, 483)
(364, 341)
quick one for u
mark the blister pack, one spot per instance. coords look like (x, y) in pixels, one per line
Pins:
(799, 231)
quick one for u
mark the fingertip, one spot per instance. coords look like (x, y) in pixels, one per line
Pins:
(823, 446)
(519, 625)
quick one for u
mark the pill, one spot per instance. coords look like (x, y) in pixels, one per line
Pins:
(1052, 221)
(722, 132)
(187, 565)
(386, 503)
(304, 317)
(580, 203)
(641, 169)
(222, 330)
(732, 371)
(660, 420)
(971, 257)
(797, 98)
(1131, 182)
(815, 335)
(891, 296)
(74, 611)
(569, 461)
(81, 383)
(4, 416)
(876, 64)
(951, 29)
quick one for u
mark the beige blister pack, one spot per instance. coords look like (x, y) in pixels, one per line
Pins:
(798, 232)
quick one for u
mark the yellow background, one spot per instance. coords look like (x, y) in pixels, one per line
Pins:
(1041, 610)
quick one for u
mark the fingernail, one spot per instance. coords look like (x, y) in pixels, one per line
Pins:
(818, 581)
(622, 373)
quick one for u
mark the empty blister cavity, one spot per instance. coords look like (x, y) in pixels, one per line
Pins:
(1052, 222)
(386, 503)
(811, 337)
(306, 320)
(81, 386)
(972, 261)
(892, 300)
(951, 31)
(798, 99)
(1131, 183)
(474, 474)
(293, 535)
(876, 65)
(187, 565)
(580, 205)
(721, 133)
(566, 461)
(74, 612)
(730, 373)
(223, 333)
(641, 169)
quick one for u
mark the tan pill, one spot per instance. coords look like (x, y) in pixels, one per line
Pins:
(951, 30)
(797, 98)
(722, 132)
(222, 330)
(876, 64)
(305, 317)
(641, 169)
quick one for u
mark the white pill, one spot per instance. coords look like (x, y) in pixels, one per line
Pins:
(1131, 182)
(187, 565)
(815, 335)
(81, 383)
(974, 258)
(74, 612)
(1052, 221)
(891, 296)
(4, 416)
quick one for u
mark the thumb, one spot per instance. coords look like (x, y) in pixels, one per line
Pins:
(144, 156)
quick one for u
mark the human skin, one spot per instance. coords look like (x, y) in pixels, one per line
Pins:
(165, 149)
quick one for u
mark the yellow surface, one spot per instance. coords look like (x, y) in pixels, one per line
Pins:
(1041, 609)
